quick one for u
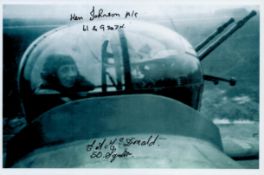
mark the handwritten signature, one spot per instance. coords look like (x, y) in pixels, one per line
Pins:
(102, 27)
(100, 13)
(107, 148)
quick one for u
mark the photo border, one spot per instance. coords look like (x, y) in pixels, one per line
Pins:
(66, 171)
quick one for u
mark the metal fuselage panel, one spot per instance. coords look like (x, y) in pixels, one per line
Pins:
(103, 117)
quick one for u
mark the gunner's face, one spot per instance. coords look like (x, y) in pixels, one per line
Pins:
(67, 75)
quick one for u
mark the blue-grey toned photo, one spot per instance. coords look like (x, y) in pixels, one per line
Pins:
(131, 85)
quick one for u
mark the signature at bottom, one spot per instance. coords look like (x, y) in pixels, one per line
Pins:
(110, 155)
(107, 148)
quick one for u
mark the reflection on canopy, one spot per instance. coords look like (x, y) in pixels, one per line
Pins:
(148, 58)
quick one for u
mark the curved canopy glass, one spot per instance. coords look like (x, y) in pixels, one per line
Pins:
(139, 58)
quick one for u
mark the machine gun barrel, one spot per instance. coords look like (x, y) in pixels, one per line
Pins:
(218, 31)
(219, 41)
(215, 80)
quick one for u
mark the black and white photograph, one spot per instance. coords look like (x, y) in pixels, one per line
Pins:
(131, 85)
